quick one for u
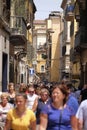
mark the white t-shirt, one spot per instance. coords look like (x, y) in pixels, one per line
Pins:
(4, 111)
(31, 99)
(82, 113)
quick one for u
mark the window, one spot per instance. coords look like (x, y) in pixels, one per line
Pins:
(42, 68)
(44, 56)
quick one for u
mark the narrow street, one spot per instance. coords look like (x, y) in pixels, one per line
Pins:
(43, 54)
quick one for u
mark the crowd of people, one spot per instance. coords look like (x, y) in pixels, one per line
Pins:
(42, 107)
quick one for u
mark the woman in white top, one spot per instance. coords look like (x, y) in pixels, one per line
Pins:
(5, 106)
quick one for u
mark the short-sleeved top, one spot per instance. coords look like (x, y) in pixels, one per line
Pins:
(4, 110)
(82, 113)
(39, 108)
(22, 123)
(31, 99)
(54, 117)
(72, 102)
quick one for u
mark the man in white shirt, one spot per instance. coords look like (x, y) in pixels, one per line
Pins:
(31, 97)
(81, 115)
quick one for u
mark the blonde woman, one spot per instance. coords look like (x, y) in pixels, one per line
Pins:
(40, 102)
(5, 106)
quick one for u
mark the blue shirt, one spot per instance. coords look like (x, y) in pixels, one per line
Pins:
(54, 118)
(72, 102)
(39, 108)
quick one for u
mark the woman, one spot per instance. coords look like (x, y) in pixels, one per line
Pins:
(57, 115)
(20, 118)
(11, 92)
(4, 107)
(39, 104)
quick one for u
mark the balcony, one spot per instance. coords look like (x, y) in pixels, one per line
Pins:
(63, 4)
(82, 4)
(69, 15)
(20, 55)
(4, 24)
(81, 38)
(74, 56)
(18, 31)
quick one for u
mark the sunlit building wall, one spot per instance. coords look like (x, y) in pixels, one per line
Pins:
(54, 27)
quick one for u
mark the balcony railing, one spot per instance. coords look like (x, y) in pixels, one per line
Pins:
(18, 30)
(74, 55)
(82, 4)
(69, 15)
(5, 11)
(63, 3)
(81, 38)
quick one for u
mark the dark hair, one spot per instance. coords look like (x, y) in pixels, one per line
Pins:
(22, 88)
(69, 85)
(9, 85)
(62, 89)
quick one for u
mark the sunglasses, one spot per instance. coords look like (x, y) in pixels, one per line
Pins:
(31, 91)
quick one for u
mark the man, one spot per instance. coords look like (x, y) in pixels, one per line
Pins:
(81, 115)
(83, 94)
(31, 96)
(72, 102)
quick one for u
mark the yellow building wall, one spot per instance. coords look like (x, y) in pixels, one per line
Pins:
(56, 24)
(40, 62)
(76, 68)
